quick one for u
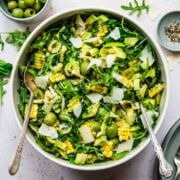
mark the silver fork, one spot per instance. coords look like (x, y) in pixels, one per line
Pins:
(177, 162)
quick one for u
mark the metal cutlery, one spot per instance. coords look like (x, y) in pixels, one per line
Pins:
(16, 158)
(177, 162)
(165, 169)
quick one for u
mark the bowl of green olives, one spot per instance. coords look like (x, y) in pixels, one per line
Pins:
(24, 11)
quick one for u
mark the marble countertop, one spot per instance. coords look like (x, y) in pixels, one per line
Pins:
(34, 165)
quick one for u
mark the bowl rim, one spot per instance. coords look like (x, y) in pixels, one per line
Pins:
(143, 144)
(25, 19)
(165, 15)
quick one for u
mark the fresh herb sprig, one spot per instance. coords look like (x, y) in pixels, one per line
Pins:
(16, 38)
(5, 71)
(1, 44)
(136, 7)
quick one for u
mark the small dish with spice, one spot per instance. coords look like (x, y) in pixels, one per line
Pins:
(168, 31)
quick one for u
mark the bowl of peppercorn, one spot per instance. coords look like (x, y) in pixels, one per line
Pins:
(24, 11)
(168, 31)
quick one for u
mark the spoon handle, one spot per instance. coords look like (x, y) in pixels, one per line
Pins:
(165, 168)
(16, 158)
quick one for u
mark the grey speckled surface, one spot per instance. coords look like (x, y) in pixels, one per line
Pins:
(34, 166)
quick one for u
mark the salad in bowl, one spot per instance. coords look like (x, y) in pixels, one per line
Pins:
(90, 72)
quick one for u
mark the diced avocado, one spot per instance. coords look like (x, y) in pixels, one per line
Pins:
(81, 158)
(136, 84)
(120, 53)
(91, 19)
(141, 92)
(130, 41)
(116, 44)
(94, 52)
(131, 116)
(86, 36)
(151, 73)
(102, 19)
(103, 130)
(148, 102)
(91, 158)
(100, 141)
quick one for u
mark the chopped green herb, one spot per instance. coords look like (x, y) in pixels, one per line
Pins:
(1, 44)
(5, 70)
(136, 7)
(17, 38)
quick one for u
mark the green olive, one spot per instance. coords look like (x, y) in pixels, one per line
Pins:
(95, 126)
(29, 12)
(29, 2)
(21, 4)
(50, 119)
(115, 141)
(83, 68)
(17, 12)
(65, 128)
(112, 131)
(11, 5)
(43, 1)
(37, 6)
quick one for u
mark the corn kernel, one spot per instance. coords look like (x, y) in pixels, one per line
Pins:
(107, 149)
(103, 31)
(39, 59)
(57, 77)
(124, 131)
(155, 90)
(34, 111)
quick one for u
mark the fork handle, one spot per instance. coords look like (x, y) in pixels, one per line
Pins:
(16, 158)
(177, 174)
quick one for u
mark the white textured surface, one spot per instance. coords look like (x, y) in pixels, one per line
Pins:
(36, 167)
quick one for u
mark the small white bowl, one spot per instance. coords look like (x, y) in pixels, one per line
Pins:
(22, 56)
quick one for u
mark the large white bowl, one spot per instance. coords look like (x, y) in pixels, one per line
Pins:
(22, 56)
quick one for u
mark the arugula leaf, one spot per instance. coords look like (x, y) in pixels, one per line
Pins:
(2, 91)
(17, 38)
(5, 68)
(1, 44)
(136, 8)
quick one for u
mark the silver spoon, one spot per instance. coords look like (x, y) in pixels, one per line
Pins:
(16, 158)
(165, 169)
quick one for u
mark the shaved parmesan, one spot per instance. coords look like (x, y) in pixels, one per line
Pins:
(117, 93)
(115, 34)
(42, 81)
(110, 60)
(146, 55)
(77, 110)
(153, 13)
(80, 22)
(150, 120)
(86, 134)
(122, 79)
(94, 61)
(173, 61)
(76, 42)
(94, 97)
(48, 131)
(125, 146)
(117, 96)
(93, 39)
